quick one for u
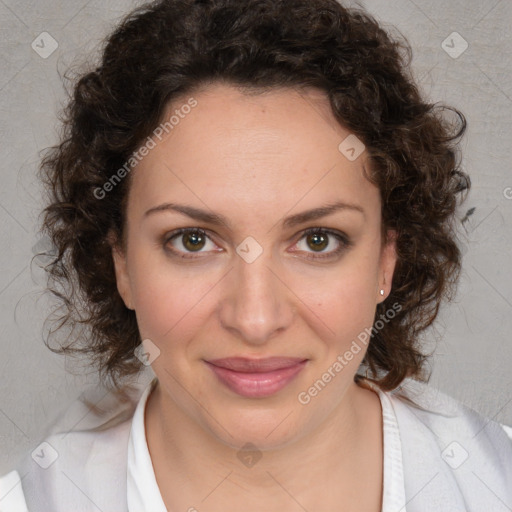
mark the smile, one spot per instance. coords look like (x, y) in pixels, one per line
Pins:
(254, 378)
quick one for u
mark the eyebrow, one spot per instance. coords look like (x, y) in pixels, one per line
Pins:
(220, 220)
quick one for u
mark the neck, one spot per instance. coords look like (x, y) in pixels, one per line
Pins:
(344, 443)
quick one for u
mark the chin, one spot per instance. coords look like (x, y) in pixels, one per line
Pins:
(267, 429)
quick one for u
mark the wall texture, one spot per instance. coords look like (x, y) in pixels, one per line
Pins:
(462, 57)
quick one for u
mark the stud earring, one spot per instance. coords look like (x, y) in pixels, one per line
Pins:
(382, 292)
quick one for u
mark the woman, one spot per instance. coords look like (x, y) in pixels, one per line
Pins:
(254, 199)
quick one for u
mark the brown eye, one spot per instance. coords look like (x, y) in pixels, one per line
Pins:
(193, 241)
(317, 241)
(325, 242)
(185, 241)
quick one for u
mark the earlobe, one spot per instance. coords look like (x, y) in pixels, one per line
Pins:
(122, 276)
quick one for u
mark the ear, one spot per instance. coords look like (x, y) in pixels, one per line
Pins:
(388, 258)
(121, 270)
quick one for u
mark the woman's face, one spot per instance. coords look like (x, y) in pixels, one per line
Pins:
(253, 174)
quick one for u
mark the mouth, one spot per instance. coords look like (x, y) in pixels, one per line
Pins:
(256, 378)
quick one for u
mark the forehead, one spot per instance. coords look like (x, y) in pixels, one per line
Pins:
(279, 147)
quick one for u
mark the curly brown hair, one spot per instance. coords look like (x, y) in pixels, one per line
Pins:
(169, 48)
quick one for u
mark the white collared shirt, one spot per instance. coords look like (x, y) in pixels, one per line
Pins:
(438, 455)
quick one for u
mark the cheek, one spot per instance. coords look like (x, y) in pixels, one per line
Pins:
(168, 304)
(347, 310)
(345, 301)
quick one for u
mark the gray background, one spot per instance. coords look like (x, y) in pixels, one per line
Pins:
(472, 337)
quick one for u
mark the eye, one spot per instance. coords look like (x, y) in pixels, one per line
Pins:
(188, 240)
(317, 240)
(184, 242)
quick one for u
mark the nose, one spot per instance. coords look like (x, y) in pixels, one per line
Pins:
(257, 303)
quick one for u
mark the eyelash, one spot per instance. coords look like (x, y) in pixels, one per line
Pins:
(344, 242)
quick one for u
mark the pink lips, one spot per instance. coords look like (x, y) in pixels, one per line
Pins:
(256, 378)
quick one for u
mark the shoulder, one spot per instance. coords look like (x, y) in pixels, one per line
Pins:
(81, 460)
(435, 408)
(451, 446)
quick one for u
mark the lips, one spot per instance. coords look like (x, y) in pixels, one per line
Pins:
(245, 365)
(256, 378)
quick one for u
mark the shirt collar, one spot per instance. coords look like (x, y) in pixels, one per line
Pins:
(393, 497)
(142, 490)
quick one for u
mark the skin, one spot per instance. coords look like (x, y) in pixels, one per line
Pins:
(257, 159)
